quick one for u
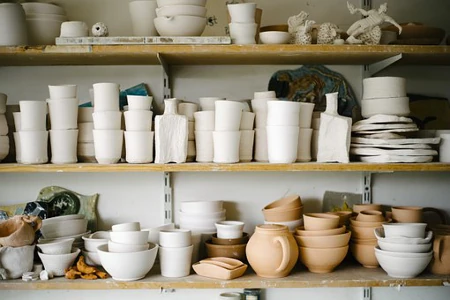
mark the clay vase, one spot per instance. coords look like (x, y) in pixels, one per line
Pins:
(272, 251)
(19, 231)
(441, 251)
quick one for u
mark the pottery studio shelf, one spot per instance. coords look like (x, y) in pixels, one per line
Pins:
(221, 54)
(239, 167)
(343, 276)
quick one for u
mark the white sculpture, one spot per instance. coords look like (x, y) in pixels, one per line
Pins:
(367, 30)
(327, 33)
(300, 28)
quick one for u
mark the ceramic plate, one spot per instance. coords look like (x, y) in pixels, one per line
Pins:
(396, 159)
(411, 146)
(369, 141)
(406, 152)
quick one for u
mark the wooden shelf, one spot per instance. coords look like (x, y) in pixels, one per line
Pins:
(239, 167)
(343, 276)
(221, 54)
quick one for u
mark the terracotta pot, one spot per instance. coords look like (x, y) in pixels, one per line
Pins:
(355, 223)
(365, 254)
(363, 232)
(283, 215)
(344, 216)
(441, 251)
(370, 216)
(302, 232)
(19, 231)
(231, 251)
(327, 241)
(360, 207)
(242, 240)
(322, 260)
(272, 251)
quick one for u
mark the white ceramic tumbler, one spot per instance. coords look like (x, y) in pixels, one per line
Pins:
(226, 146)
(62, 91)
(139, 146)
(204, 146)
(259, 107)
(228, 115)
(33, 115)
(106, 96)
(136, 102)
(306, 111)
(261, 145)
(282, 143)
(108, 146)
(247, 120)
(63, 144)
(63, 113)
(175, 262)
(283, 113)
(204, 120)
(33, 146)
(142, 15)
(304, 144)
(107, 120)
(138, 120)
(188, 110)
(246, 145)
(243, 33)
(242, 12)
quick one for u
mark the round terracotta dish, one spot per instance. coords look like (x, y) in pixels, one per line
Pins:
(291, 201)
(370, 216)
(320, 221)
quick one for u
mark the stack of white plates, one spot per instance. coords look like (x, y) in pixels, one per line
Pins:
(63, 227)
(201, 216)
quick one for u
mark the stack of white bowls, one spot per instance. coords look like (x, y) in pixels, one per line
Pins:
(85, 147)
(180, 17)
(188, 109)
(64, 227)
(404, 249)
(43, 22)
(201, 216)
(226, 135)
(108, 136)
(4, 139)
(91, 242)
(57, 255)
(175, 252)
(259, 107)
(63, 111)
(243, 27)
(139, 134)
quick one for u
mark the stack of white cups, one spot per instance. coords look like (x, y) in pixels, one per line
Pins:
(86, 149)
(108, 136)
(188, 109)
(226, 135)
(139, 136)
(259, 107)
(305, 132)
(243, 26)
(4, 139)
(175, 252)
(63, 111)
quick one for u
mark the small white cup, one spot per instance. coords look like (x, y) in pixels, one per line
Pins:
(188, 110)
(33, 146)
(304, 144)
(283, 113)
(204, 146)
(139, 146)
(175, 238)
(63, 144)
(142, 14)
(138, 120)
(62, 91)
(74, 29)
(107, 120)
(129, 226)
(282, 143)
(229, 229)
(228, 115)
(261, 145)
(63, 113)
(204, 120)
(175, 262)
(226, 146)
(247, 120)
(259, 107)
(242, 12)
(243, 33)
(136, 102)
(264, 95)
(85, 132)
(18, 147)
(208, 103)
(33, 115)
(246, 145)
(108, 146)
(85, 114)
(306, 110)
(106, 96)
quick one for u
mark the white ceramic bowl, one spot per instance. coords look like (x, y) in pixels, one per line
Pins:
(401, 264)
(173, 238)
(274, 37)
(201, 207)
(153, 233)
(180, 25)
(42, 8)
(209, 215)
(410, 248)
(91, 258)
(43, 31)
(57, 263)
(229, 229)
(181, 10)
(64, 228)
(60, 246)
(62, 218)
(127, 266)
(130, 226)
(130, 237)
(409, 230)
(162, 3)
(61, 18)
(386, 106)
(121, 248)
(91, 242)
(379, 234)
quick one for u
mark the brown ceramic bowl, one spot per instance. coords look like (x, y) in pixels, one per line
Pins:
(287, 202)
(302, 232)
(363, 232)
(364, 254)
(356, 223)
(344, 216)
(320, 221)
(360, 207)
(283, 215)
(370, 216)
(373, 242)
(218, 241)
(407, 214)
(326, 241)
(319, 260)
(231, 251)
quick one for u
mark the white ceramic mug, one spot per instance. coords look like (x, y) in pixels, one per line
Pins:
(188, 110)
(204, 146)
(226, 146)
(85, 134)
(106, 96)
(136, 102)
(242, 12)
(139, 146)
(33, 115)
(282, 143)
(208, 103)
(304, 144)
(142, 15)
(33, 146)
(228, 115)
(247, 120)
(204, 120)
(108, 146)
(138, 120)
(85, 114)
(63, 144)
(18, 147)
(306, 110)
(243, 33)
(175, 262)
(261, 145)
(175, 238)
(107, 120)
(283, 113)
(246, 145)
(444, 147)
(63, 113)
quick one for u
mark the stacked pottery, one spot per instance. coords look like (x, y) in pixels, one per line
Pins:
(404, 249)
(63, 111)
(57, 255)
(226, 135)
(259, 107)
(64, 227)
(138, 133)
(188, 109)
(91, 242)
(85, 147)
(305, 132)
(175, 252)
(108, 136)
(243, 27)
(204, 126)
(323, 244)
(229, 241)
(284, 211)
(201, 216)
(4, 139)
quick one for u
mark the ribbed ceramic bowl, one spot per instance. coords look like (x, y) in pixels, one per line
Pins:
(397, 247)
(231, 251)
(365, 254)
(302, 232)
(410, 230)
(60, 246)
(64, 228)
(320, 221)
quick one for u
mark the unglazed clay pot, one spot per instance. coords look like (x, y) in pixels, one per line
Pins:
(272, 251)
(19, 231)
(441, 251)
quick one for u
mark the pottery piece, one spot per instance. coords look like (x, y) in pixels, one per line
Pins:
(226, 241)
(63, 91)
(181, 10)
(188, 110)
(383, 119)
(280, 251)
(392, 152)
(227, 115)
(327, 241)
(204, 120)
(63, 146)
(108, 146)
(226, 146)
(91, 258)
(137, 102)
(274, 37)
(58, 263)
(344, 216)
(13, 30)
(180, 25)
(231, 251)
(370, 216)
(130, 226)
(300, 28)
(396, 159)
(261, 149)
(201, 206)
(33, 146)
(360, 207)
(208, 103)
(247, 120)
(176, 261)
(85, 115)
(74, 29)
(62, 246)
(398, 106)
(407, 214)
(283, 113)
(283, 214)
(290, 201)
(405, 147)
(229, 229)
(379, 234)
(138, 120)
(359, 232)
(403, 264)
(63, 228)
(106, 96)
(33, 115)
(18, 148)
(204, 146)
(85, 134)
(399, 141)
(19, 230)
(320, 221)
(304, 144)
(175, 238)
(365, 254)
(3, 125)
(142, 15)
(377, 127)
(384, 87)
(91, 242)
(441, 251)
(17, 260)
(322, 260)
(412, 230)
(171, 135)
(121, 248)
(139, 146)
(129, 237)
(243, 33)
(282, 143)
(301, 231)
(259, 107)
(246, 145)
(355, 223)
(397, 247)
(221, 268)
(334, 134)
(242, 12)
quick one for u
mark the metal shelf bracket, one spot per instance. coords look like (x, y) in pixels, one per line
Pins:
(372, 69)
(168, 201)
(367, 293)
(367, 188)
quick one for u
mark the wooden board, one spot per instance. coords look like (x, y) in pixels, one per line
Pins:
(142, 40)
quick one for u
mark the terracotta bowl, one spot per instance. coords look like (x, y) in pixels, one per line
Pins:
(344, 216)
(407, 214)
(365, 241)
(326, 241)
(291, 201)
(364, 254)
(242, 240)
(370, 216)
(363, 232)
(231, 251)
(354, 222)
(302, 232)
(320, 221)
(283, 215)
(360, 207)
(319, 260)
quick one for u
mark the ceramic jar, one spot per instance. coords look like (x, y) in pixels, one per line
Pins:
(19, 231)
(272, 251)
(441, 251)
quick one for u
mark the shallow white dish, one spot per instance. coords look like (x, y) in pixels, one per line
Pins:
(403, 265)
(42, 8)
(274, 37)
(64, 228)
(62, 218)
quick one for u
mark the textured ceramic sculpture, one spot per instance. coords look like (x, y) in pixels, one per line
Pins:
(334, 133)
(100, 29)
(171, 135)
(367, 30)
(19, 231)
(441, 250)
(328, 33)
(300, 28)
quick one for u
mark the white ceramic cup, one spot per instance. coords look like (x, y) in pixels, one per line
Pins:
(191, 131)
(228, 115)
(204, 146)
(259, 107)
(108, 146)
(139, 146)
(204, 120)
(33, 115)
(107, 120)
(33, 146)
(188, 110)
(229, 229)
(304, 144)
(124, 248)
(208, 103)
(444, 147)
(3, 99)
(85, 114)
(62, 91)
(282, 143)
(138, 120)
(63, 144)
(243, 33)
(246, 145)
(129, 226)
(261, 145)
(136, 102)
(175, 238)
(74, 29)
(85, 132)
(283, 113)
(175, 262)
(306, 110)
(247, 120)
(63, 113)
(106, 96)
(142, 15)
(18, 147)
(264, 95)
(226, 146)
(242, 12)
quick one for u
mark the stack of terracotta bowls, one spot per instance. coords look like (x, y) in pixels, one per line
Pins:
(323, 244)
(284, 211)
(229, 241)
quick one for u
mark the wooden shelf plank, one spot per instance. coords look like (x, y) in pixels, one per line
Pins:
(343, 276)
(221, 54)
